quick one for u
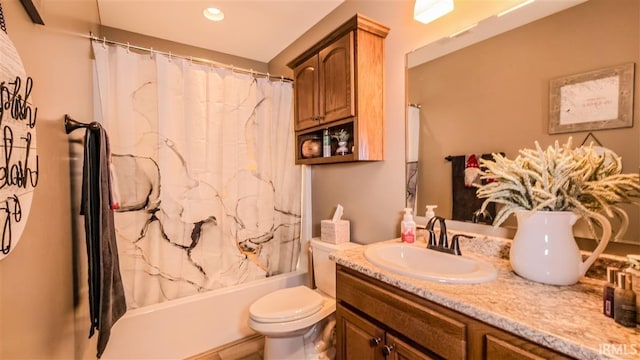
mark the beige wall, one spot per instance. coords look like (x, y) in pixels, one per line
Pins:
(493, 96)
(36, 279)
(372, 194)
(43, 312)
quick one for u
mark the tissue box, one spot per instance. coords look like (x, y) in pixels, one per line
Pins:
(334, 232)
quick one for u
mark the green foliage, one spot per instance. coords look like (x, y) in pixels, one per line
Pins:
(557, 179)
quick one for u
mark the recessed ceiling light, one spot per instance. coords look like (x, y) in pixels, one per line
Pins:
(213, 14)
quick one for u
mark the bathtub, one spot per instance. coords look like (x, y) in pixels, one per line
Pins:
(185, 327)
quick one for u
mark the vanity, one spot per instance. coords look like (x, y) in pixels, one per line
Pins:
(382, 314)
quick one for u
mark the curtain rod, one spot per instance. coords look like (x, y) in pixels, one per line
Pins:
(105, 41)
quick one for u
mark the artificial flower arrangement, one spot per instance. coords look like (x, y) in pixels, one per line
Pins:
(341, 135)
(560, 178)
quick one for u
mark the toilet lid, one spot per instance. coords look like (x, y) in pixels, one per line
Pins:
(286, 305)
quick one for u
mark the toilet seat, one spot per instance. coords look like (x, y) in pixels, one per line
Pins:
(286, 305)
(296, 327)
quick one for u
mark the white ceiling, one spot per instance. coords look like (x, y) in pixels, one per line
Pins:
(260, 29)
(253, 29)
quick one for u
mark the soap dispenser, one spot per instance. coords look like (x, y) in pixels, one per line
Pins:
(430, 213)
(624, 301)
(608, 291)
(408, 227)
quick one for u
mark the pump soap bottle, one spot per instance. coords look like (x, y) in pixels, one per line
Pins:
(624, 301)
(408, 227)
(430, 213)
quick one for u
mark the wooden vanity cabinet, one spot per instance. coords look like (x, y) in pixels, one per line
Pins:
(375, 320)
(369, 341)
(339, 85)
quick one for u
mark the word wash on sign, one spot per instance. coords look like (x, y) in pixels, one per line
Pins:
(17, 175)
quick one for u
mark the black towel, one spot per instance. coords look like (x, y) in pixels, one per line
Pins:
(465, 201)
(106, 293)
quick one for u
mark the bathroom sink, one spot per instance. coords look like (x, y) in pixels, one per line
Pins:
(419, 262)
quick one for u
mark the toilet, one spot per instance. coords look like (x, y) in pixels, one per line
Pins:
(298, 322)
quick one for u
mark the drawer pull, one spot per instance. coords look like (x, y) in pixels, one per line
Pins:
(375, 341)
(387, 349)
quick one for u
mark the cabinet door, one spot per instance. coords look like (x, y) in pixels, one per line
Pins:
(399, 350)
(337, 90)
(306, 94)
(357, 338)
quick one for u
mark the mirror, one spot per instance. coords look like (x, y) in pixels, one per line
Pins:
(487, 90)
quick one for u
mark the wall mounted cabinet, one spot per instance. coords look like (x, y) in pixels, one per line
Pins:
(375, 320)
(339, 85)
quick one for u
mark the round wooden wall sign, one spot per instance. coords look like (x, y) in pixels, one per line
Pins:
(18, 157)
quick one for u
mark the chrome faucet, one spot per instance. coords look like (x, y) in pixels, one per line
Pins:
(442, 244)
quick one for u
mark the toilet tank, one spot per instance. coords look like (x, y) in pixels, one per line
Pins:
(324, 269)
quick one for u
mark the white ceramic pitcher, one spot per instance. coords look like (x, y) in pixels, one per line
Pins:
(544, 249)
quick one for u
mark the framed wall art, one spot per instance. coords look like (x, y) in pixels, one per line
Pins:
(594, 100)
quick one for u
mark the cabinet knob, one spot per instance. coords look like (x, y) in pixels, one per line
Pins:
(375, 341)
(387, 349)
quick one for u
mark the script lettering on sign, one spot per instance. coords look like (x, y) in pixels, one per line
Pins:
(18, 159)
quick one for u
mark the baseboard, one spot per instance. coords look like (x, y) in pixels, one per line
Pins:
(248, 348)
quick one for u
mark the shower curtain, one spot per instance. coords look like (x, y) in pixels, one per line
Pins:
(206, 193)
(412, 136)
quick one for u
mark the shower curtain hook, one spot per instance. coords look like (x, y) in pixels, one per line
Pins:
(104, 42)
(169, 56)
(128, 49)
(151, 52)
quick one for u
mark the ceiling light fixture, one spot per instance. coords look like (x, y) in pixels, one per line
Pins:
(515, 8)
(213, 14)
(427, 11)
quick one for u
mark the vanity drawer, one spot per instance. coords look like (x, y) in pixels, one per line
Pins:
(502, 346)
(428, 325)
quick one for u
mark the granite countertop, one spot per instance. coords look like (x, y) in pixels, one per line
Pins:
(567, 319)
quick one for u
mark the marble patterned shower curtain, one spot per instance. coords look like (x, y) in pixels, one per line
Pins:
(207, 194)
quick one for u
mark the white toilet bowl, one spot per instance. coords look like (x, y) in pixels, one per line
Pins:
(298, 322)
(285, 316)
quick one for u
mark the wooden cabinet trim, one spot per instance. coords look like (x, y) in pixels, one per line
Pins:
(483, 341)
(358, 21)
(428, 328)
(362, 334)
(337, 88)
(348, 66)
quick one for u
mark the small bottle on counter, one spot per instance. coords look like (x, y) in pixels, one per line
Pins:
(430, 213)
(408, 227)
(624, 301)
(608, 291)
